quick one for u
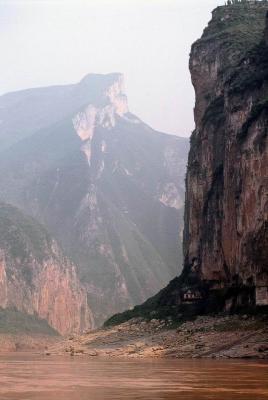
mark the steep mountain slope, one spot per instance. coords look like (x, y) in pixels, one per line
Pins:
(226, 208)
(36, 279)
(108, 187)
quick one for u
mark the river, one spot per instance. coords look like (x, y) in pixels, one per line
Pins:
(33, 377)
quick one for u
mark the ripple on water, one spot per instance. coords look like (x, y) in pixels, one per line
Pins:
(32, 377)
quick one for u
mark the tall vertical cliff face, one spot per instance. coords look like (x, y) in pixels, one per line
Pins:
(226, 205)
(35, 277)
(226, 226)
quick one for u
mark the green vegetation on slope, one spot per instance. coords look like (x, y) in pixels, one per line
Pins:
(22, 235)
(160, 306)
(244, 22)
(16, 322)
(236, 32)
(237, 29)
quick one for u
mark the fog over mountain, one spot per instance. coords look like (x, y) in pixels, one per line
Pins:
(108, 187)
(134, 199)
(56, 42)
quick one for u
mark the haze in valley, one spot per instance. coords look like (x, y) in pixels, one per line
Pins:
(55, 42)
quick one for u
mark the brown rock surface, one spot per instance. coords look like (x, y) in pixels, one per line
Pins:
(226, 217)
(205, 337)
(35, 277)
(109, 188)
(226, 206)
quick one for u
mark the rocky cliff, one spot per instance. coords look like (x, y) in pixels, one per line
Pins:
(35, 277)
(108, 187)
(226, 231)
(226, 206)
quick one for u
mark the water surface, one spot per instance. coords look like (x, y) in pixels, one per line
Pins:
(33, 377)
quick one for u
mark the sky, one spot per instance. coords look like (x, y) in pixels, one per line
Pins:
(48, 42)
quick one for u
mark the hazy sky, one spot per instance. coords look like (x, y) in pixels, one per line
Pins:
(47, 42)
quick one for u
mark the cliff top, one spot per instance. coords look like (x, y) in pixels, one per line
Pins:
(238, 26)
(234, 32)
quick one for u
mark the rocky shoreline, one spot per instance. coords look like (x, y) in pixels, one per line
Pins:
(205, 337)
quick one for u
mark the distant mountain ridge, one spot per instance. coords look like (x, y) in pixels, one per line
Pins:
(108, 187)
(25, 112)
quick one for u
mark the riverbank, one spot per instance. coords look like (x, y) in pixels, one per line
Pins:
(205, 337)
(27, 342)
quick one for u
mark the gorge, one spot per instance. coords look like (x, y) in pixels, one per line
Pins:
(226, 208)
(217, 307)
(133, 262)
(110, 190)
(104, 184)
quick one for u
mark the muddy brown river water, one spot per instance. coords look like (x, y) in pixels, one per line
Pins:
(33, 377)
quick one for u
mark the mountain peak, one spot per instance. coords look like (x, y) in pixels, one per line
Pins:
(110, 89)
(111, 101)
(92, 78)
